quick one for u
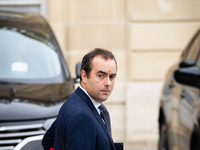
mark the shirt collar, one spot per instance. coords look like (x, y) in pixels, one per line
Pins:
(95, 103)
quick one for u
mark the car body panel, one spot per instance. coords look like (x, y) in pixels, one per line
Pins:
(28, 102)
(179, 103)
(34, 80)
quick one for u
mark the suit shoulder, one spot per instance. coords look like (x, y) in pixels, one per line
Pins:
(73, 106)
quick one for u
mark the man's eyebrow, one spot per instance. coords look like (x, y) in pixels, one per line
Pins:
(100, 71)
(114, 74)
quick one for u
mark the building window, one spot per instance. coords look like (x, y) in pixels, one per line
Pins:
(25, 6)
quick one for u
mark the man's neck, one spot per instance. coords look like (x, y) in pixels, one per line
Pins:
(95, 103)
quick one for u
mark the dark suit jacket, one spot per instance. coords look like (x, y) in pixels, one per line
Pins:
(78, 126)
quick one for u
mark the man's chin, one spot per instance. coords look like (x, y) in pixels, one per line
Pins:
(103, 99)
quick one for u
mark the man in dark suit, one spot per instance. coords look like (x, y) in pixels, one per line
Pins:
(79, 125)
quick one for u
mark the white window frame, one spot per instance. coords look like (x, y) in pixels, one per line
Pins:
(43, 4)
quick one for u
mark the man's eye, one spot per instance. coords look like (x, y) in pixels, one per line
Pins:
(101, 76)
(112, 77)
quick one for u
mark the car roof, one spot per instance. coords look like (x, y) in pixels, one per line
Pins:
(29, 20)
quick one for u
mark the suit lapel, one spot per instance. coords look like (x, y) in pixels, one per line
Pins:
(84, 96)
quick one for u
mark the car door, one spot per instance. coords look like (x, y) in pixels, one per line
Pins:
(189, 99)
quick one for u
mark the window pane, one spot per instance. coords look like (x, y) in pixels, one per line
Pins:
(27, 54)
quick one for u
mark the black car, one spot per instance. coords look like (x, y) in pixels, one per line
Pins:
(34, 80)
(179, 115)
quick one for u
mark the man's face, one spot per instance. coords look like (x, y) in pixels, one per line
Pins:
(102, 78)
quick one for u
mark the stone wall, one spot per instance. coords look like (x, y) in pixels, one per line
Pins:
(158, 32)
(146, 37)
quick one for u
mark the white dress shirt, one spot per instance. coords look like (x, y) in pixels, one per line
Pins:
(95, 103)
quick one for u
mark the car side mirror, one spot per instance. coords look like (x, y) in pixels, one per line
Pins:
(188, 76)
(187, 63)
(78, 72)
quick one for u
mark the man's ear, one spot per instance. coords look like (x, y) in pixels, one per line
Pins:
(83, 76)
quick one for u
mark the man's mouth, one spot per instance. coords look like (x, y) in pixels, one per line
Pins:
(105, 91)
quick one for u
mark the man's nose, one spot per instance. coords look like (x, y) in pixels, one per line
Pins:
(107, 81)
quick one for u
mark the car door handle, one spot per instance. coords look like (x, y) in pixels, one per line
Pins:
(182, 95)
(171, 84)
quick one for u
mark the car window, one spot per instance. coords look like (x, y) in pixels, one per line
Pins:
(194, 48)
(198, 62)
(198, 56)
(27, 54)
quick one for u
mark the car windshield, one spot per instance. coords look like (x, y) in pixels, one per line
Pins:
(28, 56)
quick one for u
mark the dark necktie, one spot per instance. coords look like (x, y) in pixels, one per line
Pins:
(105, 116)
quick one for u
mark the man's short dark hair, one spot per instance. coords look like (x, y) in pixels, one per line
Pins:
(86, 64)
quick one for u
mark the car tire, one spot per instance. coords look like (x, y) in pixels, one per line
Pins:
(163, 140)
(195, 145)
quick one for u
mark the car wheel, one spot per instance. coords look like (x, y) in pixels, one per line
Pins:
(163, 142)
(195, 145)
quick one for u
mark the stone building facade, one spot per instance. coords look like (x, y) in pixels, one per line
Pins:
(146, 37)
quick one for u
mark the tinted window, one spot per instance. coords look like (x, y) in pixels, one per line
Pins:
(194, 48)
(28, 55)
